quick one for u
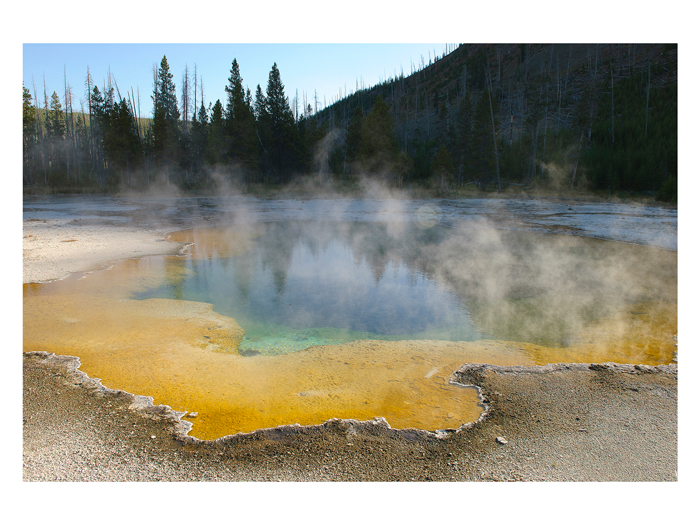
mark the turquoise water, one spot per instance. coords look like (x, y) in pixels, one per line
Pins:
(304, 284)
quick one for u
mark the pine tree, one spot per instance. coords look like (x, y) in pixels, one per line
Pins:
(235, 99)
(166, 117)
(443, 169)
(379, 148)
(465, 122)
(353, 138)
(58, 125)
(28, 134)
(279, 128)
(55, 130)
(98, 123)
(215, 147)
(239, 122)
(259, 104)
(482, 158)
(122, 144)
(200, 125)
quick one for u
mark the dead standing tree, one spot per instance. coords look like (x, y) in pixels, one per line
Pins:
(493, 125)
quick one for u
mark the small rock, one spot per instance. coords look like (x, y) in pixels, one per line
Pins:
(502, 440)
(193, 414)
(153, 437)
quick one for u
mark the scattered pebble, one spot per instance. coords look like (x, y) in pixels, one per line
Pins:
(502, 440)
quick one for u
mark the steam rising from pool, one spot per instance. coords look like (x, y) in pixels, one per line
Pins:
(356, 308)
(307, 283)
(296, 284)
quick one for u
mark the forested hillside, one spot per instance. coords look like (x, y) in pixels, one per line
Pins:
(580, 117)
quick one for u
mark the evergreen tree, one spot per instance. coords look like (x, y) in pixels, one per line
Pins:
(239, 122)
(279, 130)
(122, 144)
(378, 151)
(482, 158)
(259, 104)
(465, 122)
(56, 117)
(443, 169)
(216, 143)
(353, 138)
(200, 129)
(98, 123)
(166, 115)
(28, 134)
(235, 101)
(55, 130)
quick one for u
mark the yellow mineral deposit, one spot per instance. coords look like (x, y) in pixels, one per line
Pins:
(184, 354)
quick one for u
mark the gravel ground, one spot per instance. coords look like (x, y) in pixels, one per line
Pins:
(554, 423)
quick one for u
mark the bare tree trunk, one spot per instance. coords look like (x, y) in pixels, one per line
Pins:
(546, 106)
(629, 58)
(568, 65)
(546, 112)
(72, 134)
(427, 111)
(580, 149)
(646, 120)
(185, 98)
(510, 101)
(38, 146)
(65, 98)
(612, 99)
(90, 132)
(133, 112)
(595, 71)
(47, 142)
(194, 116)
(493, 125)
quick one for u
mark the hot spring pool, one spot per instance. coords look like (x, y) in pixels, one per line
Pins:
(301, 284)
(285, 322)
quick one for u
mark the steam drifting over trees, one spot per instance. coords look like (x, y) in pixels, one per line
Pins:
(575, 117)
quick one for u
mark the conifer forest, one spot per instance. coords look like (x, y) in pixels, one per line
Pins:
(599, 118)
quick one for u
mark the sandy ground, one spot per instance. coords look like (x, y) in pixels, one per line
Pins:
(55, 248)
(554, 423)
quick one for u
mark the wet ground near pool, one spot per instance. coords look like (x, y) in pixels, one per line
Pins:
(623, 222)
(470, 291)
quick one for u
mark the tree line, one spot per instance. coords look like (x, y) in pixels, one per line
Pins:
(486, 116)
(247, 139)
(580, 117)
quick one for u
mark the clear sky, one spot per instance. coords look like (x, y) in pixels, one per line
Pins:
(324, 68)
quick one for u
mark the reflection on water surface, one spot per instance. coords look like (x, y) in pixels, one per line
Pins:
(300, 322)
(300, 284)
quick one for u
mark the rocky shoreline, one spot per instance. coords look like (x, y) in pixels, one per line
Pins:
(597, 422)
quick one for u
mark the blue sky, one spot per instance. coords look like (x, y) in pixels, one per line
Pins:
(324, 68)
(316, 45)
